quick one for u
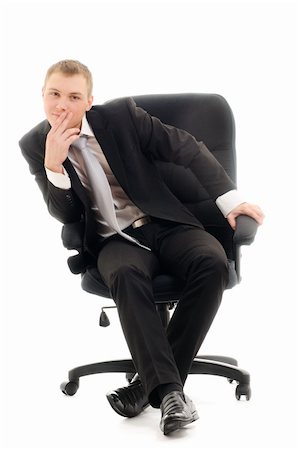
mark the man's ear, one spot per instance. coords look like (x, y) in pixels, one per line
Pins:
(90, 101)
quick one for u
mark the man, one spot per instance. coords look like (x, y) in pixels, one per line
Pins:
(96, 165)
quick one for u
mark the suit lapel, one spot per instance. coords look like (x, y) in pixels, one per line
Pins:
(76, 183)
(108, 145)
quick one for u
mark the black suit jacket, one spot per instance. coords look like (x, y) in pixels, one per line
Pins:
(133, 143)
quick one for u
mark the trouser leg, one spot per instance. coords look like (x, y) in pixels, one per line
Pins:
(128, 270)
(199, 259)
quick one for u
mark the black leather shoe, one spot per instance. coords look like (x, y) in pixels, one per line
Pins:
(177, 411)
(129, 401)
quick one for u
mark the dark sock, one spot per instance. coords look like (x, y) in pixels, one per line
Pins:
(165, 389)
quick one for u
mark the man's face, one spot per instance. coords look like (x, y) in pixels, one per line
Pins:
(66, 93)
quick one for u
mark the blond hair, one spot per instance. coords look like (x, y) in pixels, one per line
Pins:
(71, 67)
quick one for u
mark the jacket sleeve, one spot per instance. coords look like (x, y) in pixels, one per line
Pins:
(63, 204)
(167, 143)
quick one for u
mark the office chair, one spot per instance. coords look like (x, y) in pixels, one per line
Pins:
(209, 118)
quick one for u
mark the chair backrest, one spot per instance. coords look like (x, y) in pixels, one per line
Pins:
(209, 118)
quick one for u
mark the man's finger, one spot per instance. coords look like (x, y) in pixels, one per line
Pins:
(58, 120)
(71, 139)
(62, 121)
(255, 212)
(232, 221)
(71, 132)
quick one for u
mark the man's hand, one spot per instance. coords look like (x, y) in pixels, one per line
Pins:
(59, 139)
(247, 209)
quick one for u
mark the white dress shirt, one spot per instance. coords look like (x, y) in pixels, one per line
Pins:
(126, 211)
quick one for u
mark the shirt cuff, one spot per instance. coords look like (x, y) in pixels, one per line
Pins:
(60, 180)
(229, 201)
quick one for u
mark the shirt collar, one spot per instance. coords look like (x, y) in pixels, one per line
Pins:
(86, 129)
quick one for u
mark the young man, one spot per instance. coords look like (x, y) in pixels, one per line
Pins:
(94, 164)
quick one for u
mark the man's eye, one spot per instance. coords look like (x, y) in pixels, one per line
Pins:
(75, 97)
(54, 94)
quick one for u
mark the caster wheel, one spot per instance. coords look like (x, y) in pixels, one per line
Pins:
(243, 390)
(129, 376)
(69, 387)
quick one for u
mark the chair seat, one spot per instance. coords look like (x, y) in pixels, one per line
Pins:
(166, 288)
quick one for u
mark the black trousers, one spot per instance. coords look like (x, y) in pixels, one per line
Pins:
(164, 356)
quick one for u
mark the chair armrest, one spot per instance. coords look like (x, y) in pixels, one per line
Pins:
(246, 229)
(72, 235)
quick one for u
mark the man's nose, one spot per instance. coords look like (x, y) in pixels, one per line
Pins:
(62, 105)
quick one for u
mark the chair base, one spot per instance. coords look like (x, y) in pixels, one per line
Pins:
(223, 366)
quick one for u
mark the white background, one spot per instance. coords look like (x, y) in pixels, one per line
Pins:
(243, 50)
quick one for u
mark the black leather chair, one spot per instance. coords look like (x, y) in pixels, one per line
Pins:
(209, 118)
